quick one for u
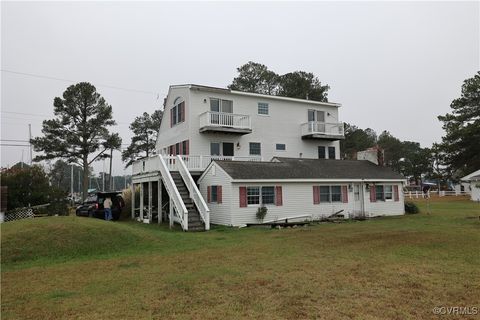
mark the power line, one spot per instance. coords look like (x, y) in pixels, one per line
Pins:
(157, 94)
(27, 114)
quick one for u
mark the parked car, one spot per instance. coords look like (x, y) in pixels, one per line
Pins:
(93, 205)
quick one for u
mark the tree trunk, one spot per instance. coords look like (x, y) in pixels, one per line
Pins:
(85, 178)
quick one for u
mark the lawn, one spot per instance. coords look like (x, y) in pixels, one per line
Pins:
(386, 268)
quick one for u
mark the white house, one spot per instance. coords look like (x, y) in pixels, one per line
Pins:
(203, 124)
(293, 188)
(474, 180)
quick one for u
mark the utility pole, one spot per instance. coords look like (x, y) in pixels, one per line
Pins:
(71, 184)
(110, 180)
(30, 141)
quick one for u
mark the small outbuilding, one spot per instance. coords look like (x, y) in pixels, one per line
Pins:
(474, 180)
(299, 189)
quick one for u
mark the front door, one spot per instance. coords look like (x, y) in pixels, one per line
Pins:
(357, 199)
(228, 149)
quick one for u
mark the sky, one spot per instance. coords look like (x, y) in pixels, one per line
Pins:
(393, 66)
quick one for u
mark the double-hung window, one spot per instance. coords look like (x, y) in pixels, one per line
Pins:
(253, 195)
(263, 108)
(214, 194)
(330, 194)
(178, 111)
(264, 195)
(255, 148)
(384, 192)
(379, 193)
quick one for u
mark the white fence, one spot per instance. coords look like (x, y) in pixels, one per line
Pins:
(420, 194)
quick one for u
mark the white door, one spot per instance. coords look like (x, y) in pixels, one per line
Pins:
(357, 199)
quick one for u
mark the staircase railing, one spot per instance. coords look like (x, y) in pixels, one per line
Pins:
(179, 206)
(194, 192)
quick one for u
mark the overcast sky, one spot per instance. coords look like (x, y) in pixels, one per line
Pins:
(393, 66)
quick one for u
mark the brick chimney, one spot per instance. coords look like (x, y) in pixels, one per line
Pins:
(374, 154)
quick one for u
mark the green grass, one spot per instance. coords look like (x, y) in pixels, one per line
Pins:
(387, 268)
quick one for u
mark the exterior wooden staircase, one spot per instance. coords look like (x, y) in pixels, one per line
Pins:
(195, 222)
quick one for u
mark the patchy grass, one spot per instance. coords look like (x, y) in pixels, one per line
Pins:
(388, 268)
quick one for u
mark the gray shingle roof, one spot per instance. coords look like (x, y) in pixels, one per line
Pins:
(293, 168)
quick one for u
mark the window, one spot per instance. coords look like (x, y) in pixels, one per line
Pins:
(324, 194)
(214, 149)
(314, 115)
(336, 193)
(331, 152)
(263, 108)
(185, 147)
(219, 105)
(379, 193)
(253, 195)
(330, 194)
(321, 152)
(268, 195)
(213, 194)
(281, 147)
(178, 111)
(388, 192)
(384, 192)
(255, 149)
(264, 195)
(177, 148)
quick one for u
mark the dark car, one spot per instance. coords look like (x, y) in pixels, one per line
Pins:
(93, 205)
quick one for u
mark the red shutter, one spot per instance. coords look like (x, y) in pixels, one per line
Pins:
(209, 193)
(174, 149)
(373, 195)
(316, 195)
(243, 196)
(182, 108)
(219, 194)
(187, 147)
(345, 194)
(396, 195)
(278, 196)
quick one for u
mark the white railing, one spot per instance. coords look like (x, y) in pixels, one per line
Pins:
(179, 207)
(325, 128)
(150, 164)
(223, 119)
(192, 162)
(195, 194)
(200, 162)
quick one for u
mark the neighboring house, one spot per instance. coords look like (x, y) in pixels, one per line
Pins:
(203, 124)
(474, 180)
(299, 189)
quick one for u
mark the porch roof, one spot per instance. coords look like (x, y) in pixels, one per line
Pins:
(295, 168)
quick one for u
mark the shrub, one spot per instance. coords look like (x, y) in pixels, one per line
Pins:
(261, 213)
(411, 208)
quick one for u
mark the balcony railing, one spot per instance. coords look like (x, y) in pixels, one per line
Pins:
(192, 162)
(227, 122)
(323, 130)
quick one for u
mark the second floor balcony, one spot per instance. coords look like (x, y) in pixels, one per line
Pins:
(225, 122)
(323, 130)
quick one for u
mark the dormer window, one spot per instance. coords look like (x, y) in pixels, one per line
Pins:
(177, 113)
